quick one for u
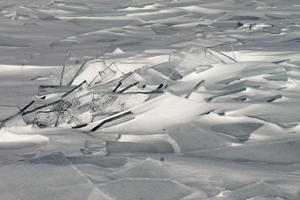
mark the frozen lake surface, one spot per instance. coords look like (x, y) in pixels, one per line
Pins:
(150, 99)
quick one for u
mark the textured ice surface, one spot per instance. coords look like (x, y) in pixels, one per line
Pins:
(284, 152)
(148, 168)
(102, 161)
(145, 147)
(47, 177)
(258, 189)
(145, 188)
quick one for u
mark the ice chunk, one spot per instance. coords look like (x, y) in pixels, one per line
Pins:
(90, 147)
(194, 58)
(167, 69)
(102, 161)
(15, 119)
(128, 87)
(50, 89)
(96, 105)
(225, 93)
(145, 188)
(283, 152)
(201, 83)
(146, 147)
(267, 69)
(112, 49)
(278, 96)
(70, 68)
(241, 131)
(190, 137)
(104, 136)
(93, 71)
(115, 120)
(53, 119)
(106, 74)
(7, 111)
(151, 75)
(281, 77)
(227, 81)
(281, 114)
(148, 168)
(66, 99)
(53, 106)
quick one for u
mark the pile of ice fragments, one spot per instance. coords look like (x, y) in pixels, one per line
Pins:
(93, 91)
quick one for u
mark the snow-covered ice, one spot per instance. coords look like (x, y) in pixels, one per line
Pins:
(150, 99)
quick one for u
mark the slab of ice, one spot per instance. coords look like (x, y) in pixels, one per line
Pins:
(282, 114)
(124, 117)
(241, 131)
(101, 161)
(59, 113)
(148, 168)
(93, 71)
(284, 152)
(167, 69)
(53, 119)
(273, 98)
(70, 68)
(225, 93)
(201, 83)
(6, 111)
(281, 77)
(145, 147)
(97, 105)
(258, 189)
(46, 177)
(50, 89)
(15, 119)
(191, 58)
(191, 137)
(145, 188)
